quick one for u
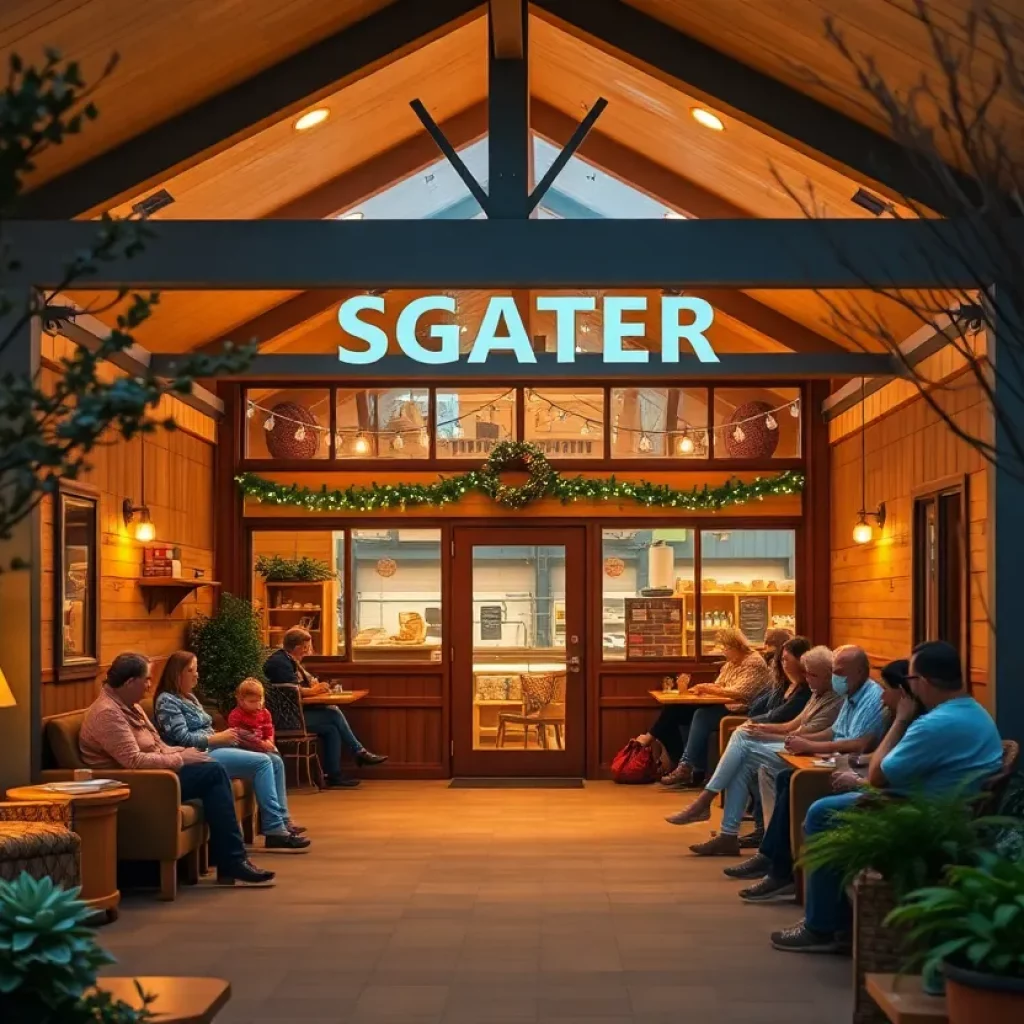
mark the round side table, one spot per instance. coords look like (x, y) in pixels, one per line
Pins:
(95, 821)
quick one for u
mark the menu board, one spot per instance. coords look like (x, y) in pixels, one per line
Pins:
(490, 622)
(754, 618)
(654, 627)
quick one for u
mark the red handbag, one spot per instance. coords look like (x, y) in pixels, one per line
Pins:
(634, 765)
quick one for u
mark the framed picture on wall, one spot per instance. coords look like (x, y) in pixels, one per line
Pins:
(76, 591)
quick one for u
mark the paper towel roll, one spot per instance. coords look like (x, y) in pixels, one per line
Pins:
(661, 566)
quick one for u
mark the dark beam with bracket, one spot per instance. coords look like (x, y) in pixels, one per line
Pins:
(508, 41)
(509, 142)
(749, 95)
(264, 99)
(756, 366)
(303, 255)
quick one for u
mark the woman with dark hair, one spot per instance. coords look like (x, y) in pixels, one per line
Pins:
(791, 693)
(184, 722)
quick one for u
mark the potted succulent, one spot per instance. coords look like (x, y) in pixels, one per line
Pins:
(972, 928)
(49, 959)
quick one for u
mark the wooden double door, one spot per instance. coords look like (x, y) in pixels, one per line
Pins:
(518, 651)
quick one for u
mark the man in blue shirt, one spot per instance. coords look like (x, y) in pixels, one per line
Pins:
(857, 730)
(953, 744)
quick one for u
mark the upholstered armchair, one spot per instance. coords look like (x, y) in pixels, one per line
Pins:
(36, 836)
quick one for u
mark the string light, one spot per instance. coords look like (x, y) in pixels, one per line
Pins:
(457, 430)
(771, 422)
(738, 435)
(685, 445)
(424, 437)
(645, 444)
(339, 440)
(269, 423)
(250, 412)
(397, 443)
(300, 434)
(360, 446)
(794, 410)
(585, 429)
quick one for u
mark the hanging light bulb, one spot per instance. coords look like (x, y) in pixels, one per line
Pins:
(794, 410)
(269, 423)
(645, 444)
(339, 440)
(563, 414)
(738, 435)
(771, 422)
(532, 397)
(863, 532)
(585, 429)
(463, 329)
(250, 412)
(456, 429)
(424, 437)
(360, 446)
(397, 443)
(300, 434)
(685, 445)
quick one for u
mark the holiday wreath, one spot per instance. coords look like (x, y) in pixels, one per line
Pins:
(544, 482)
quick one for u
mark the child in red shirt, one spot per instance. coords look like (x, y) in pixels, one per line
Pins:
(250, 717)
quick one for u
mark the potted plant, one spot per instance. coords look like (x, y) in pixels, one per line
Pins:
(49, 959)
(275, 569)
(228, 646)
(972, 928)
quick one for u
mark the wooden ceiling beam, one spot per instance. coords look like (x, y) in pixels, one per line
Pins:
(388, 168)
(684, 196)
(276, 93)
(752, 97)
(507, 29)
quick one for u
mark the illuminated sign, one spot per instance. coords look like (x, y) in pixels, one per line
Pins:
(684, 318)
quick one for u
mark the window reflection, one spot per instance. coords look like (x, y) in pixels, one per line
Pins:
(471, 421)
(658, 423)
(566, 423)
(380, 423)
(78, 583)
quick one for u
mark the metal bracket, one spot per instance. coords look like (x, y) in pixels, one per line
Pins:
(568, 150)
(434, 130)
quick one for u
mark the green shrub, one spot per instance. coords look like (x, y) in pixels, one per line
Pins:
(275, 569)
(228, 647)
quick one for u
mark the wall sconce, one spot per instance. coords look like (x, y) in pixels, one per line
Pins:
(863, 532)
(145, 531)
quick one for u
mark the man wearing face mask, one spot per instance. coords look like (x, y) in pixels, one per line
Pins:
(859, 727)
(955, 745)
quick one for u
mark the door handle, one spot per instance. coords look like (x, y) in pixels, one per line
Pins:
(574, 660)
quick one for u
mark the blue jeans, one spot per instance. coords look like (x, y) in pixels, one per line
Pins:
(704, 725)
(209, 782)
(828, 909)
(775, 845)
(737, 770)
(266, 773)
(334, 731)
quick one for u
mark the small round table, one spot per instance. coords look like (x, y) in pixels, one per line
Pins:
(94, 818)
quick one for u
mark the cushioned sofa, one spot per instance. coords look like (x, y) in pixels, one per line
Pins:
(153, 824)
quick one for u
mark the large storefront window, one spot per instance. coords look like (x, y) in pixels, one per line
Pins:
(659, 423)
(396, 595)
(747, 580)
(289, 424)
(757, 423)
(650, 606)
(470, 421)
(377, 423)
(298, 580)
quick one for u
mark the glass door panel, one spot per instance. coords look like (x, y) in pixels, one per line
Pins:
(518, 652)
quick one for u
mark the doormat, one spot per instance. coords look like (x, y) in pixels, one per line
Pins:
(516, 784)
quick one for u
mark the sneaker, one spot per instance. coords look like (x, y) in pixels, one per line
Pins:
(243, 871)
(681, 775)
(800, 939)
(768, 889)
(340, 782)
(286, 841)
(753, 867)
(752, 840)
(722, 845)
(367, 759)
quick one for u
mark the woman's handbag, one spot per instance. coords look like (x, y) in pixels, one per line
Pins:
(635, 765)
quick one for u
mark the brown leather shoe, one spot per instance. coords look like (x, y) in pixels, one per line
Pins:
(722, 845)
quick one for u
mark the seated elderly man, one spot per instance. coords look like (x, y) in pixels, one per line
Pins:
(756, 745)
(857, 729)
(117, 734)
(953, 745)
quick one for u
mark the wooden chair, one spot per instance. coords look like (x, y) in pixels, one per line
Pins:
(543, 708)
(295, 743)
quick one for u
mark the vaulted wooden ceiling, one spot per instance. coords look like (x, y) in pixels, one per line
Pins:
(176, 54)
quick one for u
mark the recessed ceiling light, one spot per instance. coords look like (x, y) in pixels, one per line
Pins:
(311, 119)
(706, 119)
(354, 215)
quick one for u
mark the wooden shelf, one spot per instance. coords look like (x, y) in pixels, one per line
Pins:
(316, 609)
(172, 589)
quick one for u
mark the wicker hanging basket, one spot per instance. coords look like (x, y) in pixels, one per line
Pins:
(282, 443)
(757, 441)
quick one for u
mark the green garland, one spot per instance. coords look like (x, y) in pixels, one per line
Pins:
(545, 482)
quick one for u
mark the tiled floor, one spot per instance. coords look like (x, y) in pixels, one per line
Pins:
(418, 903)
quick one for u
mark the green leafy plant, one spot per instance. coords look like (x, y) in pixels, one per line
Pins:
(49, 958)
(276, 569)
(975, 919)
(909, 841)
(50, 425)
(228, 646)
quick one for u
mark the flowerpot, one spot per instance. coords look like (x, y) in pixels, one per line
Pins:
(973, 997)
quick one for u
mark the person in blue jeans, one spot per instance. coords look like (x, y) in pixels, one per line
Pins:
(857, 729)
(183, 722)
(285, 666)
(952, 746)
